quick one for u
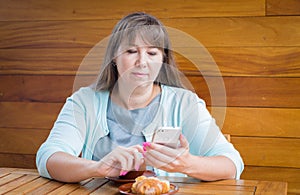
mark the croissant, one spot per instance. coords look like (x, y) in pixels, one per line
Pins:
(150, 186)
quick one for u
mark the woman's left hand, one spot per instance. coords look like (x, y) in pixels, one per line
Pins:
(166, 158)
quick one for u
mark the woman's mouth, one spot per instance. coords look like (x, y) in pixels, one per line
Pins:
(139, 74)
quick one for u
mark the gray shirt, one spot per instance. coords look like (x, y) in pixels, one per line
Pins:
(125, 127)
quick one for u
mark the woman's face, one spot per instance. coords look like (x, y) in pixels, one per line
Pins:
(138, 64)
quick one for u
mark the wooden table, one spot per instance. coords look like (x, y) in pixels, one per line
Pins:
(27, 181)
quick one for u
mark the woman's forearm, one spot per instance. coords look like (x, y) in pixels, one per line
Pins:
(67, 168)
(211, 168)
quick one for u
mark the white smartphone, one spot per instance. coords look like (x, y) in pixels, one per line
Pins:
(168, 136)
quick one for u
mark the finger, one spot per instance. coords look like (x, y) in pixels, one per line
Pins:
(183, 141)
(158, 159)
(138, 147)
(152, 161)
(130, 160)
(123, 161)
(124, 157)
(163, 149)
(110, 160)
(138, 160)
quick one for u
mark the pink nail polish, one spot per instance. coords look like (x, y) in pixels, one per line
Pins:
(123, 173)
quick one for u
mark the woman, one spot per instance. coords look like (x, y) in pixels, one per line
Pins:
(111, 123)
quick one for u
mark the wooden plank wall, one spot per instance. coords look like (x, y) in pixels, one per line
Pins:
(255, 43)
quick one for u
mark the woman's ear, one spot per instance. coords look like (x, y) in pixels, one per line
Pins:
(113, 63)
(165, 55)
(165, 58)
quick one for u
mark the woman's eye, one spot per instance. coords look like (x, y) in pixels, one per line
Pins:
(130, 51)
(152, 53)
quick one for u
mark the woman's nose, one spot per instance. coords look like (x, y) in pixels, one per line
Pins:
(142, 59)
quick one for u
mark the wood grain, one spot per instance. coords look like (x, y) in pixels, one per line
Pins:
(249, 92)
(256, 151)
(46, 45)
(17, 182)
(21, 141)
(264, 151)
(26, 115)
(251, 172)
(291, 175)
(67, 188)
(268, 122)
(45, 61)
(239, 121)
(102, 186)
(240, 91)
(236, 32)
(39, 88)
(26, 188)
(282, 8)
(255, 61)
(92, 9)
(232, 61)
(17, 160)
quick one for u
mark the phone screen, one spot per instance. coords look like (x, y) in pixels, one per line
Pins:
(168, 136)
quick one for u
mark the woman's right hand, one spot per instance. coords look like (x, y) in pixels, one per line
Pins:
(121, 160)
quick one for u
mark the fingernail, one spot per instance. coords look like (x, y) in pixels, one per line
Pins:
(123, 173)
(145, 144)
(137, 167)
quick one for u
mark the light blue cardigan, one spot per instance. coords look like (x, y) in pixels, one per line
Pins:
(82, 122)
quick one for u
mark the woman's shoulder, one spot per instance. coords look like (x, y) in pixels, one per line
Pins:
(88, 90)
(181, 94)
(87, 93)
(178, 91)
(175, 89)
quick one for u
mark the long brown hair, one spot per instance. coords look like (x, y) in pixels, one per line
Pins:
(152, 31)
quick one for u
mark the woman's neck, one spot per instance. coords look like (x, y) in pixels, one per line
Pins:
(138, 97)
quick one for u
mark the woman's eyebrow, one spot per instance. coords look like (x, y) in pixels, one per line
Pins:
(146, 46)
(152, 46)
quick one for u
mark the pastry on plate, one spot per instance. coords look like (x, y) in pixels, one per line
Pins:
(150, 186)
